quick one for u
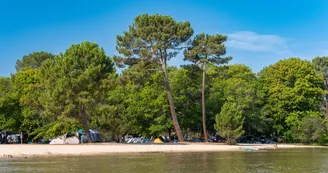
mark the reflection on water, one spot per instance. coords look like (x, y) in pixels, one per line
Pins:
(296, 160)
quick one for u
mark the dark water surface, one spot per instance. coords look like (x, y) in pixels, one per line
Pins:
(294, 160)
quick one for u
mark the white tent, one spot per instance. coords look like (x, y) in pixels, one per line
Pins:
(65, 140)
(72, 140)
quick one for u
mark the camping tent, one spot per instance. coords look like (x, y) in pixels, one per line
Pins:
(158, 141)
(94, 135)
(63, 139)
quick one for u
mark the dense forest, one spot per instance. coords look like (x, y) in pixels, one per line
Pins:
(136, 92)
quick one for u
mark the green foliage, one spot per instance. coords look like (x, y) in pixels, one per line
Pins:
(155, 113)
(203, 49)
(323, 139)
(10, 113)
(153, 37)
(74, 83)
(321, 66)
(5, 86)
(10, 109)
(292, 89)
(229, 122)
(207, 48)
(236, 83)
(50, 95)
(27, 86)
(237, 88)
(156, 39)
(147, 107)
(110, 113)
(186, 91)
(33, 60)
(310, 130)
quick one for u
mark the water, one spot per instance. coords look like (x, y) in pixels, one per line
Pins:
(295, 160)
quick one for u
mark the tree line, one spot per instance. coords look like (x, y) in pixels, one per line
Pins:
(80, 88)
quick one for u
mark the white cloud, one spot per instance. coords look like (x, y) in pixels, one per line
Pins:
(254, 42)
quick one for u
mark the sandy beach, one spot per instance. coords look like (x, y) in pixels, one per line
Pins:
(45, 150)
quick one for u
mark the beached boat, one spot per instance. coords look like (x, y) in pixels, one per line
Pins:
(267, 147)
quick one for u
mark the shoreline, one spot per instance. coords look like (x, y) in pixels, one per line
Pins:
(46, 150)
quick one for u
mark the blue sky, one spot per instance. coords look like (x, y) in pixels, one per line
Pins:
(260, 32)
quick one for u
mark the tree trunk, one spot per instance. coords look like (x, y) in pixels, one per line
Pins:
(84, 122)
(169, 132)
(172, 108)
(203, 103)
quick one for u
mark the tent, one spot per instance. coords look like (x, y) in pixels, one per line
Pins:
(94, 135)
(158, 141)
(57, 141)
(72, 140)
(196, 140)
(63, 139)
(80, 131)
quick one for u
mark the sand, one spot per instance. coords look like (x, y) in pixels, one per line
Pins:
(46, 150)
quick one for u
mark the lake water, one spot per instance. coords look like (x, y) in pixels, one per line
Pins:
(293, 160)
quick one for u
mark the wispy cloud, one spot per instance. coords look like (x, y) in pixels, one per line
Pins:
(254, 42)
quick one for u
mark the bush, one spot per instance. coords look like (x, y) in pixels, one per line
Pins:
(311, 130)
(231, 141)
(230, 122)
(323, 139)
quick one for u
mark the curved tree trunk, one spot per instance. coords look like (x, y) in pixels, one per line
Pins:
(203, 104)
(172, 108)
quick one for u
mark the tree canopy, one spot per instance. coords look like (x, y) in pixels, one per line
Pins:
(33, 60)
(206, 49)
(74, 83)
(155, 38)
(293, 91)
